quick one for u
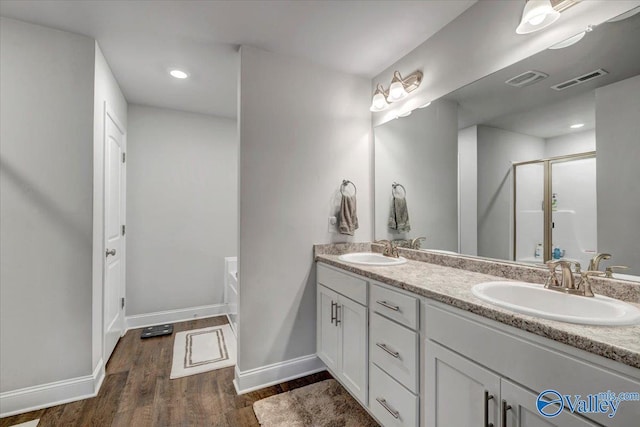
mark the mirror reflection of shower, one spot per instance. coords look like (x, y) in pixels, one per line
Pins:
(555, 209)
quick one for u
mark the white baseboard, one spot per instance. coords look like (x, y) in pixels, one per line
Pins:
(265, 376)
(51, 394)
(171, 316)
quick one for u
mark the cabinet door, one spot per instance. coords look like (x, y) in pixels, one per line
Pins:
(327, 328)
(520, 410)
(458, 392)
(352, 369)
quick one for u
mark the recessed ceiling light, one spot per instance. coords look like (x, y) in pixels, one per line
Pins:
(577, 126)
(178, 74)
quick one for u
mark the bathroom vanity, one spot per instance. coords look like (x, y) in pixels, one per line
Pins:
(416, 348)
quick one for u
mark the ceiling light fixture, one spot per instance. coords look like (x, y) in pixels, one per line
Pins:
(399, 89)
(178, 74)
(577, 126)
(425, 105)
(537, 14)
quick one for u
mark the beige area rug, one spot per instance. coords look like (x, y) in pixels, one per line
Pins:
(32, 423)
(203, 350)
(323, 404)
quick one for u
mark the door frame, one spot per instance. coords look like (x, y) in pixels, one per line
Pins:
(109, 114)
(547, 207)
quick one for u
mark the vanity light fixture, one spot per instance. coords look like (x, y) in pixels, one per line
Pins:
(573, 39)
(569, 42)
(178, 74)
(399, 89)
(577, 126)
(537, 14)
(379, 101)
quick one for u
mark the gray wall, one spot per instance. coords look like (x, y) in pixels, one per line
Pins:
(46, 111)
(468, 189)
(468, 48)
(572, 143)
(497, 149)
(182, 171)
(303, 128)
(421, 153)
(617, 131)
(106, 90)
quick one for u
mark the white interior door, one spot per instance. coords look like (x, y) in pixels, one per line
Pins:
(114, 216)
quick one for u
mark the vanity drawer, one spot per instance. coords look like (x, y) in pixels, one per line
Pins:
(402, 308)
(350, 286)
(394, 348)
(392, 404)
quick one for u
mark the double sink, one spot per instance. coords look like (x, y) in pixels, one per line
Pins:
(533, 300)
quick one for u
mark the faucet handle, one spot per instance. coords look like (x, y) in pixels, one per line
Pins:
(584, 281)
(578, 267)
(609, 270)
(552, 280)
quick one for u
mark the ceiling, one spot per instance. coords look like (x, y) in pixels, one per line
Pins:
(537, 109)
(142, 39)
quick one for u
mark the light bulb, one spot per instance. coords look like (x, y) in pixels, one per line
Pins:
(178, 74)
(397, 91)
(537, 20)
(537, 14)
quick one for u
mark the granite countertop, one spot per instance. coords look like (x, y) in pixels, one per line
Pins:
(452, 286)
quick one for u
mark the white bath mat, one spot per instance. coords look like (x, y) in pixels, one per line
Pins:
(32, 423)
(202, 350)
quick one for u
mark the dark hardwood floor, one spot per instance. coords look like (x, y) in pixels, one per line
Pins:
(137, 391)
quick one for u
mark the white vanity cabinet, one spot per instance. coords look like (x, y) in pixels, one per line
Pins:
(394, 356)
(412, 361)
(342, 328)
(463, 393)
(480, 372)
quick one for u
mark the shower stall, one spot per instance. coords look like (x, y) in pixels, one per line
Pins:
(555, 209)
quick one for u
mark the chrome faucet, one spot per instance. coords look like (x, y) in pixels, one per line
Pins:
(415, 243)
(568, 284)
(594, 264)
(390, 249)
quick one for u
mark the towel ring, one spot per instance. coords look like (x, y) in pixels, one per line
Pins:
(346, 182)
(394, 187)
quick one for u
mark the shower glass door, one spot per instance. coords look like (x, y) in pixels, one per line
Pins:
(529, 213)
(574, 209)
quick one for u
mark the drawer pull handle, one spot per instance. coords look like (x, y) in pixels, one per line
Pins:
(338, 307)
(391, 352)
(505, 408)
(487, 398)
(384, 404)
(333, 314)
(389, 306)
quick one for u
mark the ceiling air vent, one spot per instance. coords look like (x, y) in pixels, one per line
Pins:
(582, 79)
(527, 78)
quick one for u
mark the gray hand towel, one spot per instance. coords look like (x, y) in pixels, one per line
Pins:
(348, 217)
(399, 216)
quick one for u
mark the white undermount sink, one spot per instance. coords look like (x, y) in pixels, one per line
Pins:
(535, 300)
(371, 258)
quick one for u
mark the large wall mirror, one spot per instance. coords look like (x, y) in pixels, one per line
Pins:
(535, 162)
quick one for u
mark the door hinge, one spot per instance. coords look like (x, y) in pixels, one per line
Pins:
(123, 230)
(122, 302)
(124, 157)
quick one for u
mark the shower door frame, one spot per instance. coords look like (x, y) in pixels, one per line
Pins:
(547, 210)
